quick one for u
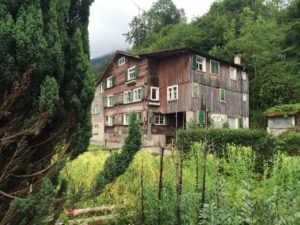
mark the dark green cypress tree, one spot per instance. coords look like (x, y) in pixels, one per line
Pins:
(46, 88)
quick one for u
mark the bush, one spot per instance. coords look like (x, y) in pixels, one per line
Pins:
(289, 143)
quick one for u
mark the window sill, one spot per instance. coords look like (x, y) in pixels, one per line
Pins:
(222, 101)
(125, 103)
(214, 74)
(154, 103)
(132, 81)
(172, 100)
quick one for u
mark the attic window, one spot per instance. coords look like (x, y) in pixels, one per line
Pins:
(199, 63)
(121, 61)
(215, 67)
(232, 73)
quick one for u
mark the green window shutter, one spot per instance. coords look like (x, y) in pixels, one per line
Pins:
(222, 94)
(105, 84)
(126, 75)
(113, 80)
(142, 93)
(153, 119)
(136, 71)
(201, 118)
(241, 122)
(194, 64)
(113, 120)
(167, 121)
(123, 115)
(113, 100)
(122, 98)
(215, 67)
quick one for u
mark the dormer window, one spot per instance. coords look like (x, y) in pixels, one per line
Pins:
(121, 61)
(131, 73)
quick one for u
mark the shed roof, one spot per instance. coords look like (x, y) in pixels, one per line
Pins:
(283, 110)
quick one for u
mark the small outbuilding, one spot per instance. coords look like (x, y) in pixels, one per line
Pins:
(282, 117)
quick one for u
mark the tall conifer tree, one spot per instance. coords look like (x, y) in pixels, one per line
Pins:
(46, 88)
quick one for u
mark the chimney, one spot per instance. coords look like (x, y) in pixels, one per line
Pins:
(237, 58)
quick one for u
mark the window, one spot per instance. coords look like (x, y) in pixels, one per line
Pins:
(233, 122)
(121, 61)
(159, 119)
(196, 90)
(131, 73)
(110, 120)
(200, 63)
(96, 109)
(232, 73)
(214, 67)
(110, 101)
(154, 95)
(172, 93)
(222, 95)
(128, 96)
(125, 118)
(95, 129)
(244, 76)
(244, 97)
(101, 88)
(138, 94)
(139, 116)
(110, 81)
(201, 118)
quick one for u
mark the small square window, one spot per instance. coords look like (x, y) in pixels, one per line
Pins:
(110, 101)
(214, 67)
(125, 118)
(110, 81)
(158, 119)
(110, 120)
(131, 73)
(232, 73)
(121, 61)
(154, 94)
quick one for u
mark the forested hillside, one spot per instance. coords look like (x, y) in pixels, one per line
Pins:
(265, 32)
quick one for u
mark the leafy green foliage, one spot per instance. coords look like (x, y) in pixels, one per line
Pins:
(117, 163)
(36, 207)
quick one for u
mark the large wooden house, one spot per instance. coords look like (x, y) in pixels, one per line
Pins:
(170, 89)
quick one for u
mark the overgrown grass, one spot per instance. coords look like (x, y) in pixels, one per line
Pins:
(235, 194)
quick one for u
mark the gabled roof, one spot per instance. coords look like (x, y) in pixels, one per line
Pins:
(163, 54)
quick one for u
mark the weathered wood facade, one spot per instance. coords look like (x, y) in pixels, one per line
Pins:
(168, 91)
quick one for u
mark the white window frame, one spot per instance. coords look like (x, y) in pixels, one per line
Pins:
(219, 68)
(203, 63)
(156, 89)
(96, 109)
(101, 88)
(95, 129)
(232, 73)
(235, 121)
(139, 116)
(137, 94)
(126, 99)
(110, 121)
(172, 93)
(131, 73)
(161, 119)
(109, 82)
(244, 75)
(121, 61)
(198, 88)
(126, 118)
(109, 102)
(220, 95)
(244, 97)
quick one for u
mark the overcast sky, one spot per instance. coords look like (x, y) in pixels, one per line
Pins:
(109, 19)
